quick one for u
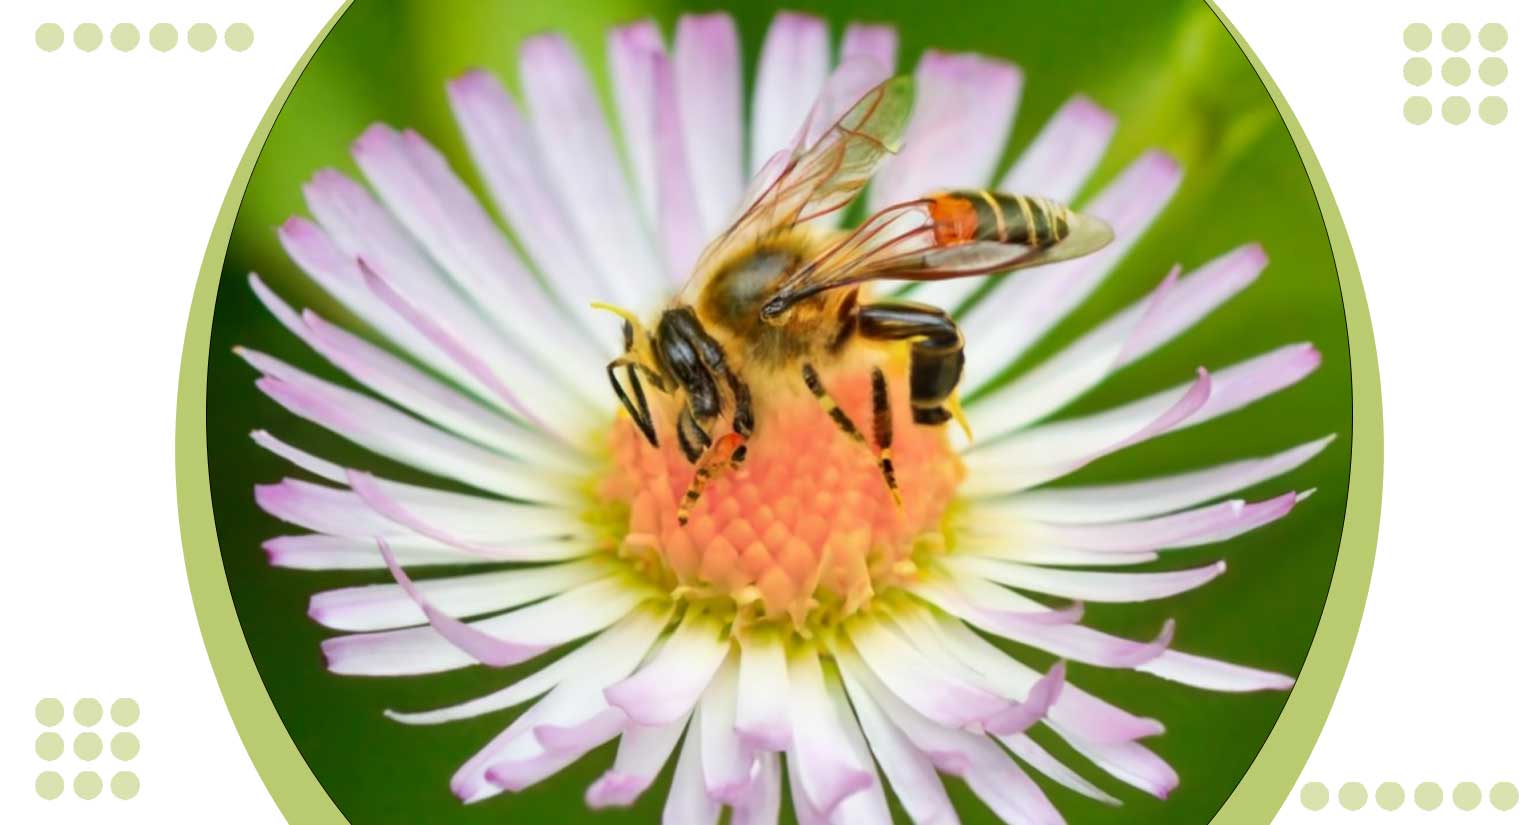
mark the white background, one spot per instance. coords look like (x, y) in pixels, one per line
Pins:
(114, 166)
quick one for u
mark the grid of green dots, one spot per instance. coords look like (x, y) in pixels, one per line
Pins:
(1427, 796)
(163, 37)
(1456, 72)
(87, 747)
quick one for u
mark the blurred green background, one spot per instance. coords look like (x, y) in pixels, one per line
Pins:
(1177, 81)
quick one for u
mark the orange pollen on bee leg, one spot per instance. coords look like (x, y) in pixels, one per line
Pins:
(954, 220)
(805, 529)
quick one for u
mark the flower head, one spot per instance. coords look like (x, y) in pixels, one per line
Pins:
(801, 619)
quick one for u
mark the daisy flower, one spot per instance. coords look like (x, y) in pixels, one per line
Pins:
(800, 624)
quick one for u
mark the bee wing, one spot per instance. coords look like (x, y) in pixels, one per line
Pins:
(828, 166)
(900, 243)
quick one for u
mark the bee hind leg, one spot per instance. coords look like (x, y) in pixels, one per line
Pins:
(846, 425)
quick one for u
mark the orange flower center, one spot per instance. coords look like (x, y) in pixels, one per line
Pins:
(805, 529)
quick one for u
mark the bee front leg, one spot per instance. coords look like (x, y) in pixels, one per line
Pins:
(634, 398)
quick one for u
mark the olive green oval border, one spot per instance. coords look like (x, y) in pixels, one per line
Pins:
(301, 798)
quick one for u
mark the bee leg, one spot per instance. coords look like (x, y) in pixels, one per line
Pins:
(829, 405)
(634, 399)
(883, 432)
(937, 347)
(730, 450)
(691, 437)
(699, 361)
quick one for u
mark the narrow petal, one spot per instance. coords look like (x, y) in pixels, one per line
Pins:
(688, 802)
(519, 774)
(1090, 585)
(709, 84)
(388, 606)
(824, 762)
(1023, 308)
(575, 141)
(910, 774)
(638, 630)
(870, 41)
(505, 151)
(319, 552)
(1053, 450)
(794, 62)
(1210, 674)
(1189, 528)
(328, 470)
(519, 635)
(960, 120)
(393, 434)
(932, 692)
(1097, 504)
(727, 758)
(643, 751)
(1132, 763)
(761, 805)
(632, 52)
(762, 715)
(1064, 153)
(668, 687)
(679, 221)
(1041, 760)
(1132, 333)
(378, 497)
(1042, 696)
(1236, 386)
(867, 805)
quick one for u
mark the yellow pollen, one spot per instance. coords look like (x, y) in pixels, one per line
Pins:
(805, 530)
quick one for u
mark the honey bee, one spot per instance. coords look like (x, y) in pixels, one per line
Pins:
(779, 295)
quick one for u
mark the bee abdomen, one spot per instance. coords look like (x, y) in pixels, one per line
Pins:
(962, 216)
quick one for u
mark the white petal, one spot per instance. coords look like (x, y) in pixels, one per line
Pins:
(960, 120)
(727, 758)
(1115, 502)
(1202, 525)
(910, 774)
(761, 805)
(1064, 153)
(688, 803)
(679, 221)
(794, 62)
(1041, 760)
(869, 41)
(571, 615)
(577, 146)
(1211, 674)
(1114, 344)
(632, 50)
(643, 751)
(1132, 763)
(762, 715)
(929, 689)
(319, 552)
(638, 630)
(867, 805)
(668, 687)
(505, 151)
(387, 606)
(823, 761)
(328, 470)
(1088, 585)
(1024, 307)
(709, 88)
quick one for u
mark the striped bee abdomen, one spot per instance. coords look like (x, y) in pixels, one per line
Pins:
(967, 215)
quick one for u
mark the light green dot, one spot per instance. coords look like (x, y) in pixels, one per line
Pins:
(1467, 796)
(125, 37)
(1455, 110)
(1455, 71)
(1314, 796)
(125, 712)
(125, 746)
(1493, 36)
(1492, 71)
(87, 785)
(87, 37)
(87, 712)
(50, 746)
(1352, 796)
(1428, 796)
(1417, 37)
(1389, 795)
(1455, 36)
(1418, 71)
(49, 37)
(49, 785)
(239, 37)
(163, 37)
(87, 746)
(1417, 110)
(125, 785)
(202, 37)
(1493, 110)
(1503, 795)
(50, 712)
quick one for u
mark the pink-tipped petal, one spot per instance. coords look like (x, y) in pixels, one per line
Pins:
(1042, 696)
(1202, 525)
(678, 222)
(1052, 768)
(1132, 763)
(762, 716)
(633, 52)
(760, 805)
(918, 681)
(1064, 153)
(871, 41)
(823, 761)
(708, 59)
(328, 470)
(908, 770)
(1210, 674)
(378, 497)
(320, 552)
(794, 63)
(669, 686)
(1091, 585)
(643, 751)
(727, 758)
(688, 801)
